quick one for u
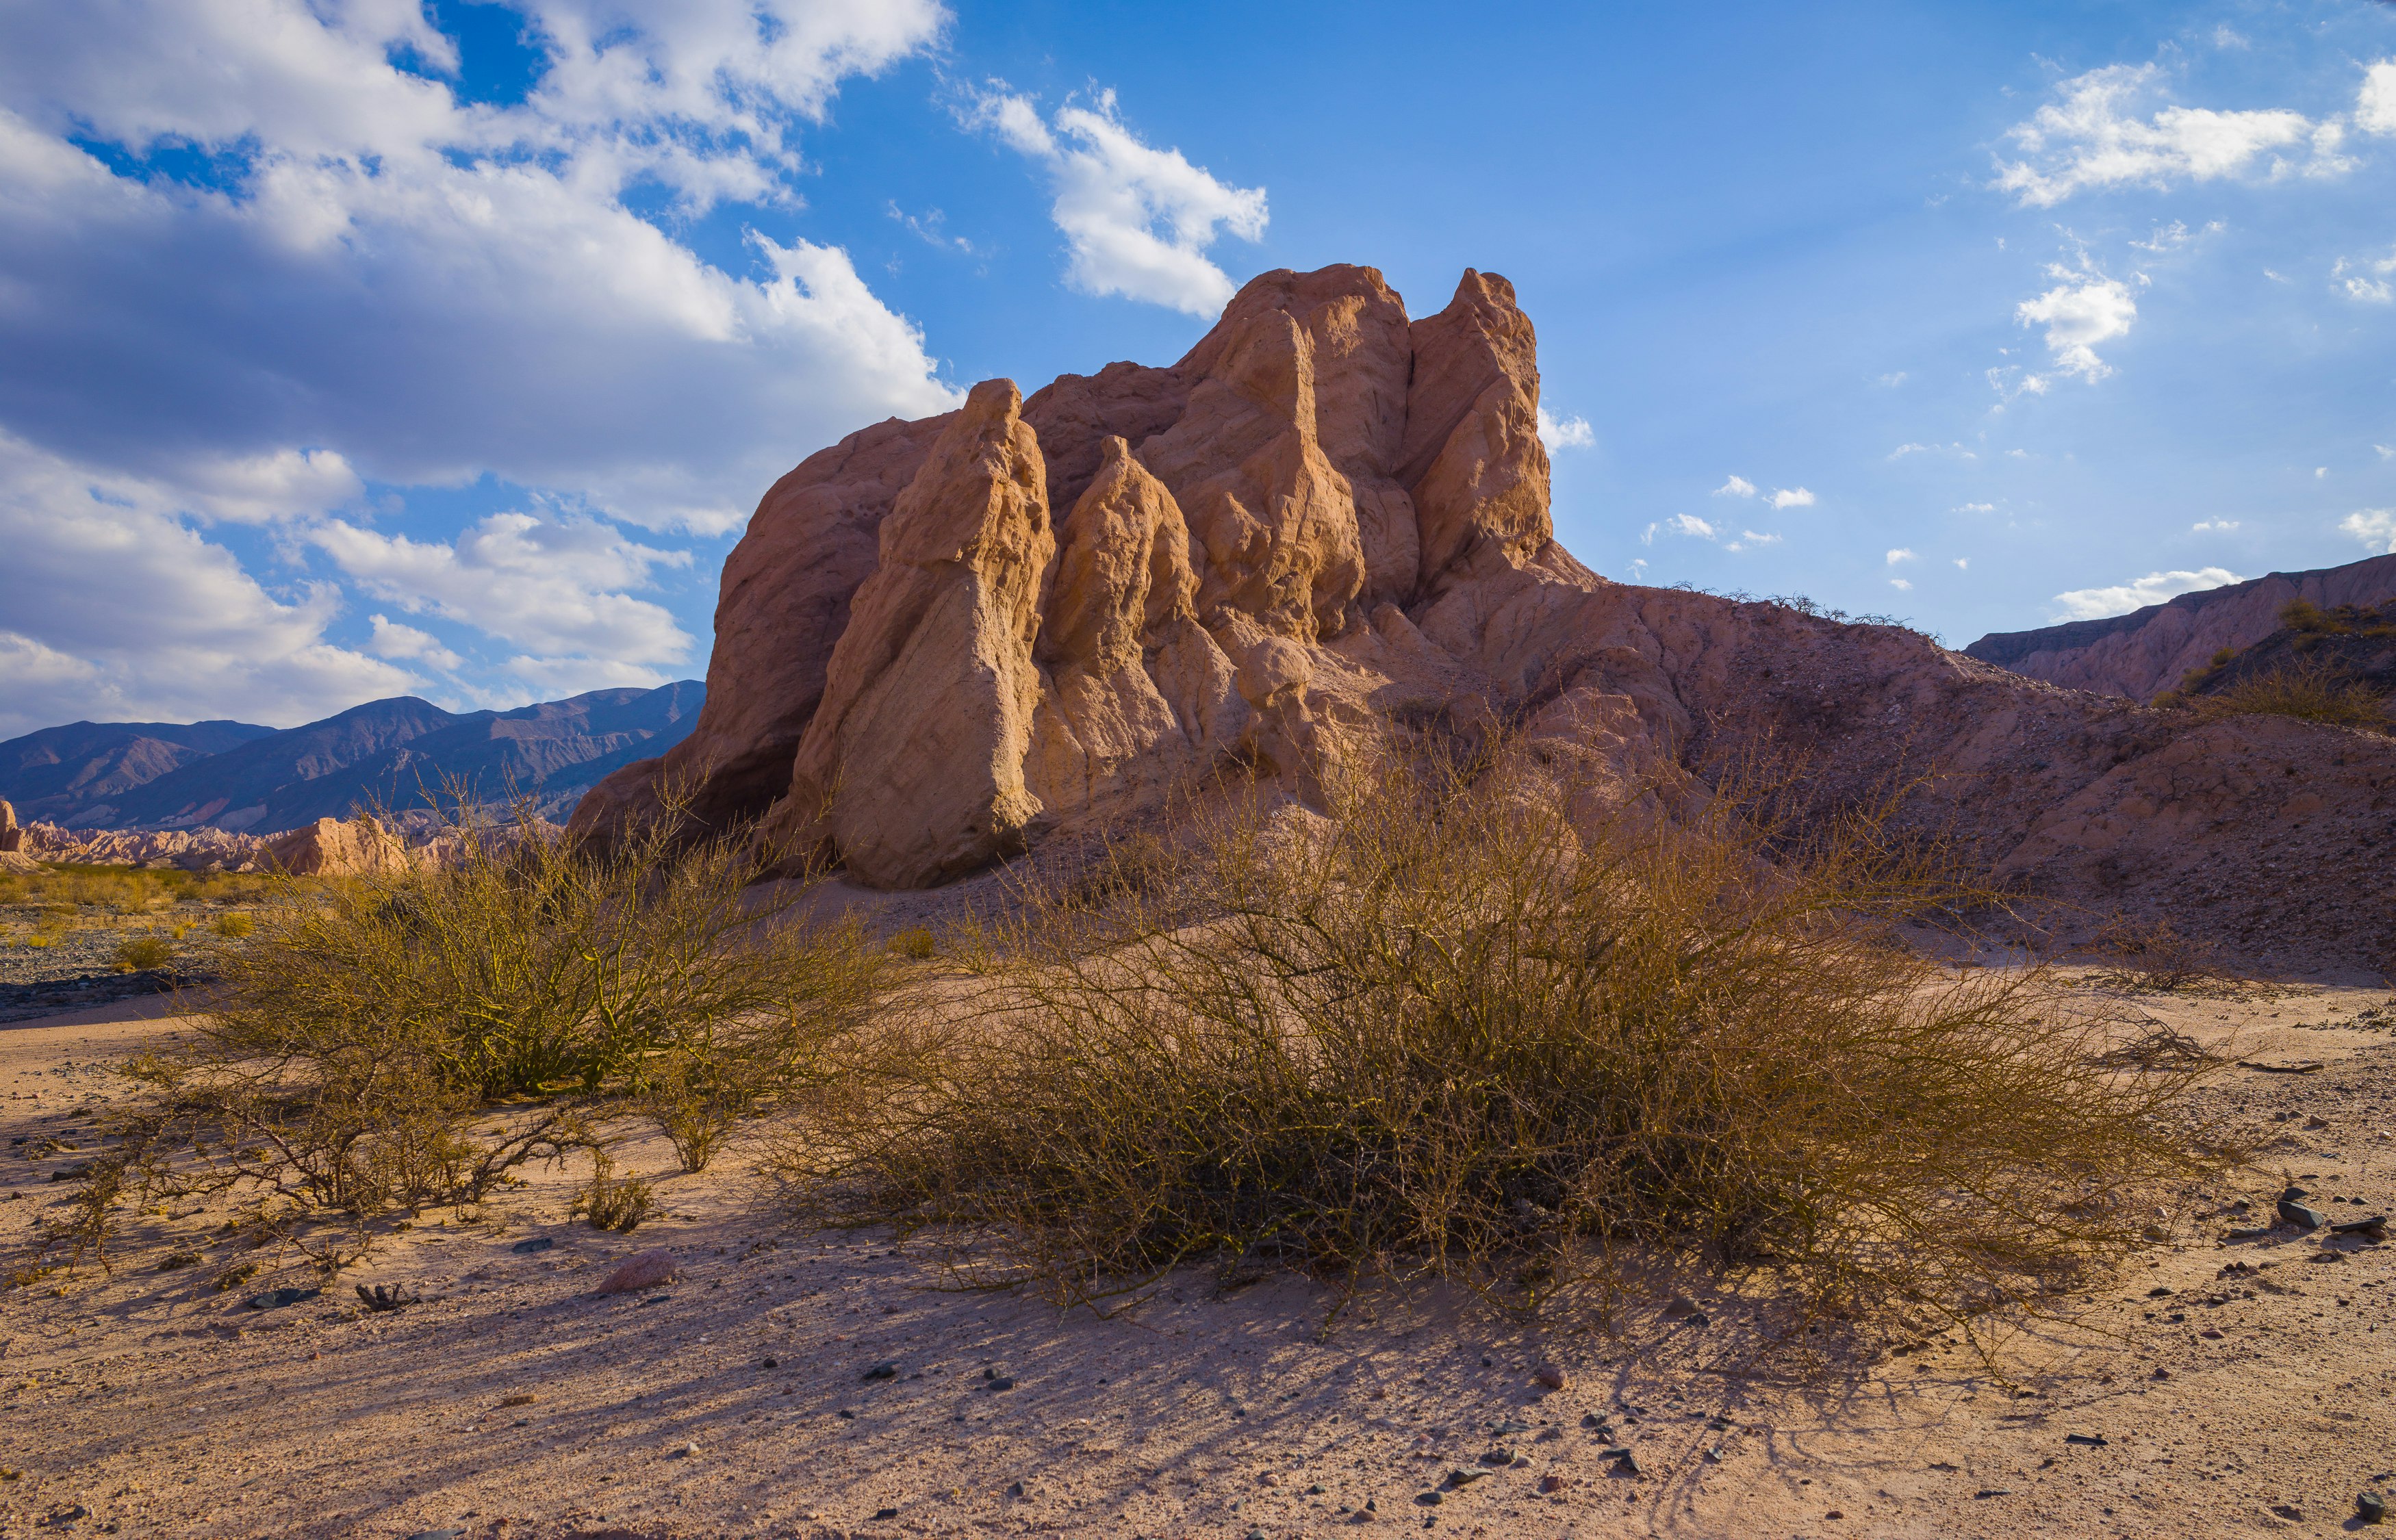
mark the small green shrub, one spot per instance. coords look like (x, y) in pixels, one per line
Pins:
(617, 1204)
(143, 952)
(915, 942)
(365, 1027)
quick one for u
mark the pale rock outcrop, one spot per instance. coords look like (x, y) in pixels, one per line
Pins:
(1121, 588)
(1326, 517)
(203, 849)
(1272, 519)
(911, 767)
(332, 847)
(1473, 460)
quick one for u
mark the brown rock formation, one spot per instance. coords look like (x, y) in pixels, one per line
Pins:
(912, 763)
(11, 837)
(2146, 652)
(1327, 515)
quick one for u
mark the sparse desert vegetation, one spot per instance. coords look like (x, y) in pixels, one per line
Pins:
(1444, 1030)
(1456, 1025)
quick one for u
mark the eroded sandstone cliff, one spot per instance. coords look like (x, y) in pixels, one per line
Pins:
(941, 642)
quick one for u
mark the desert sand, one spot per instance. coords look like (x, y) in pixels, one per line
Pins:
(2236, 1387)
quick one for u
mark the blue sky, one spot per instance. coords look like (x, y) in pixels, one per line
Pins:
(364, 346)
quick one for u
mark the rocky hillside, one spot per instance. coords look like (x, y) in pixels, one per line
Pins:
(388, 753)
(2146, 652)
(2350, 646)
(942, 641)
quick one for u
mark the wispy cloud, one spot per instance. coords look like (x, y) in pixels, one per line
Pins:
(2366, 280)
(2093, 136)
(1737, 486)
(1136, 220)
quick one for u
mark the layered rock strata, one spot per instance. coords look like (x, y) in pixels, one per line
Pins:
(942, 641)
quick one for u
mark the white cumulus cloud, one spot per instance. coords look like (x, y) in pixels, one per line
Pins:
(2078, 313)
(113, 607)
(1572, 432)
(392, 640)
(1138, 220)
(2374, 526)
(554, 586)
(2094, 603)
(1792, 496)
(1737, 486)
(1900, 554)
(2374, 106)
(2093, 136)
(2213, 526)
(464, 288)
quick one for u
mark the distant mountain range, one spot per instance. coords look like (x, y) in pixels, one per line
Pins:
(385, 753)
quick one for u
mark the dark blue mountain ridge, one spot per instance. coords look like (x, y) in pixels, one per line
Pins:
(390, 754)
(94, 761)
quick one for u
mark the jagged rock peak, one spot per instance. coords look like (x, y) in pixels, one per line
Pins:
(1258, 488)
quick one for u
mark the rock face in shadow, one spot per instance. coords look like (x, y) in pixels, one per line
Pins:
(2146, 652)
(943, 642)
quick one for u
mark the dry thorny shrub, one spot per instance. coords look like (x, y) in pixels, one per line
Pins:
(380, 1043)
(2310, 690)
(1445, 1031)
(2153, 958)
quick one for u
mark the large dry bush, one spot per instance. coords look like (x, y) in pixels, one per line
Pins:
(2310, 690)
(381, 1042)
(1444, 1030)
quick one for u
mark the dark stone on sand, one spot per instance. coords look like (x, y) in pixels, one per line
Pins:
(2302, 1216)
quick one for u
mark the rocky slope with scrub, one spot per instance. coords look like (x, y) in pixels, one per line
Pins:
(942, 642)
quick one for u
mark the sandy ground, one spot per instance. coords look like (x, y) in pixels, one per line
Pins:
(2252, 1396)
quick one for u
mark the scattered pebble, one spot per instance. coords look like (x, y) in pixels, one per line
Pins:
(276, 1299)
(537, 1243)
(883, 1372)
(683, 1451)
